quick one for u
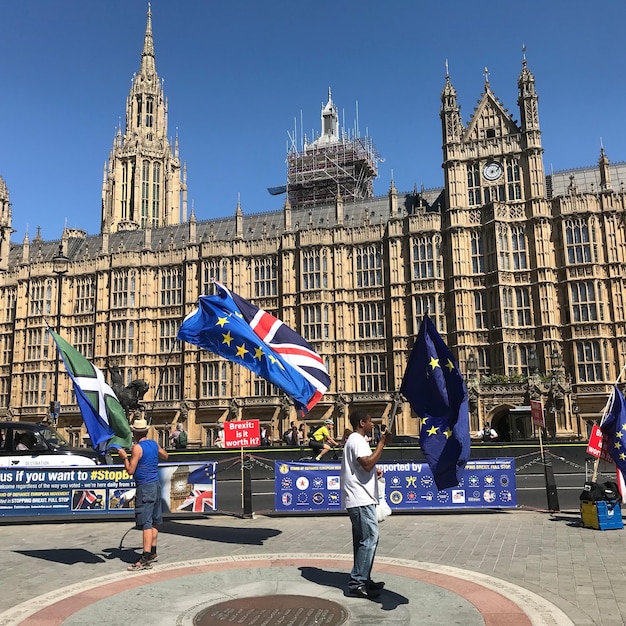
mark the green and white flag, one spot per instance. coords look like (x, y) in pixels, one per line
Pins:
(104, 417)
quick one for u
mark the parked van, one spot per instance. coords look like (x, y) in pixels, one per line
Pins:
(26, 444)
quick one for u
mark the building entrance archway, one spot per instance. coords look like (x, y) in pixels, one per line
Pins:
(512, 423)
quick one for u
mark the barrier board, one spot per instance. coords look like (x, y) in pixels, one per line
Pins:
(102, 489)
(488, 483)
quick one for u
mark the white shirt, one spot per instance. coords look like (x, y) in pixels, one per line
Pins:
(358, 487)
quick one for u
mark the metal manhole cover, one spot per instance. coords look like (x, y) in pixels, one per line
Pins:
(278, 610)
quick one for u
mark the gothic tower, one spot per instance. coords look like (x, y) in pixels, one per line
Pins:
(496, 232)
(142, 184)
(334, 163)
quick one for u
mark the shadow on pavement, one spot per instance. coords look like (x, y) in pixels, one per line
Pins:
(388, 600)
(572, 520)
(221, 534)
(67, 556)
(126, 555)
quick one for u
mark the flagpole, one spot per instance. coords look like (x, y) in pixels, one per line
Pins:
(394, 410)
(605, 410)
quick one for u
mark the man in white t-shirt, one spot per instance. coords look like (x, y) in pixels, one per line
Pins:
(359, 492)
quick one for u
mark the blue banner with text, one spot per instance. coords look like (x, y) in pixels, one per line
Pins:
(102, 489)
(488, 483)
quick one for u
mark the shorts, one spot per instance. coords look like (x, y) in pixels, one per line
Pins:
(316, 445)
(148, 506)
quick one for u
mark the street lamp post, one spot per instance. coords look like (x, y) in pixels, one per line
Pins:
(60, 265)
(472, 376)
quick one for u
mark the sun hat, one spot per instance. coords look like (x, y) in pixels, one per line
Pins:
(139, 425)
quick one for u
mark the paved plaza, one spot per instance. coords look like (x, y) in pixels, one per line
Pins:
(511, 568)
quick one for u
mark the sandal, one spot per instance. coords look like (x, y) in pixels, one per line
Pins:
(142, 563)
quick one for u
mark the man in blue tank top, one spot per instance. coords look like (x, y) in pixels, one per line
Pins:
(144, 465)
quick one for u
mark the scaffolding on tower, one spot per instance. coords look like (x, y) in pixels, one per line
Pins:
(331, 165)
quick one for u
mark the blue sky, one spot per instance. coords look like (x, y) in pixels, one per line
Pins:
(238, 73)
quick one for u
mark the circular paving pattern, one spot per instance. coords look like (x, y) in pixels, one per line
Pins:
(201, 592)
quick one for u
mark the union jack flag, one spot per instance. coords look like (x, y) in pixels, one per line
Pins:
(613, 428)
(86, 499)
(237, 330)
(198, 501)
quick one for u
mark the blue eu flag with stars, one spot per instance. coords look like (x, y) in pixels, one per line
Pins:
(228, 325)
(613, 428)
(437, 393)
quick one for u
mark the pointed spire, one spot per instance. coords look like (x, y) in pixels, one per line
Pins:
(605, 173)
(239, 218)
(526, 80)
(26, 247)
(527, 99)
(193, 225)
(450, 112)
(287, 214)
(148, 67)
(393, 197)
(330, 123)
(448, 95)
(147, 237)
(392, 185)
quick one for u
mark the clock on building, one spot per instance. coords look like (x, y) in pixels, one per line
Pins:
(492, 170)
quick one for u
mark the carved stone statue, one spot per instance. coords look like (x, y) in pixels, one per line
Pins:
(130, 396)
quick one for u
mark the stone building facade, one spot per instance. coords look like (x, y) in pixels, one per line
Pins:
(522, 273)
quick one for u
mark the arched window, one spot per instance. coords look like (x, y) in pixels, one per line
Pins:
(577, 241)
(474, 197)
(156, 193)
(369, 267)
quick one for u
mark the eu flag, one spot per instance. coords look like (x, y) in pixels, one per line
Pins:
(437, 393)
(237, 330)
(202, 475)
(613, 428)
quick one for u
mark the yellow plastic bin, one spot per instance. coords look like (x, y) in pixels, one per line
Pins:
(601, 515)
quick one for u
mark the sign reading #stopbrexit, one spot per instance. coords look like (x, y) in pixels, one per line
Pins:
(245, 434)
(410, 486)
(102, 490)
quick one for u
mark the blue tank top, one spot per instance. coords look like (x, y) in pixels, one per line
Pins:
(148, 467)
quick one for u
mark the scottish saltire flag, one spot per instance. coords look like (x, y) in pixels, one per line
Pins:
(613, 428)
(198, 501)
(437, 393)
(234, 328)
(104, 417)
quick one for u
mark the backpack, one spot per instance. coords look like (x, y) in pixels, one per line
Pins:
(594, 492)
(181, 440)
